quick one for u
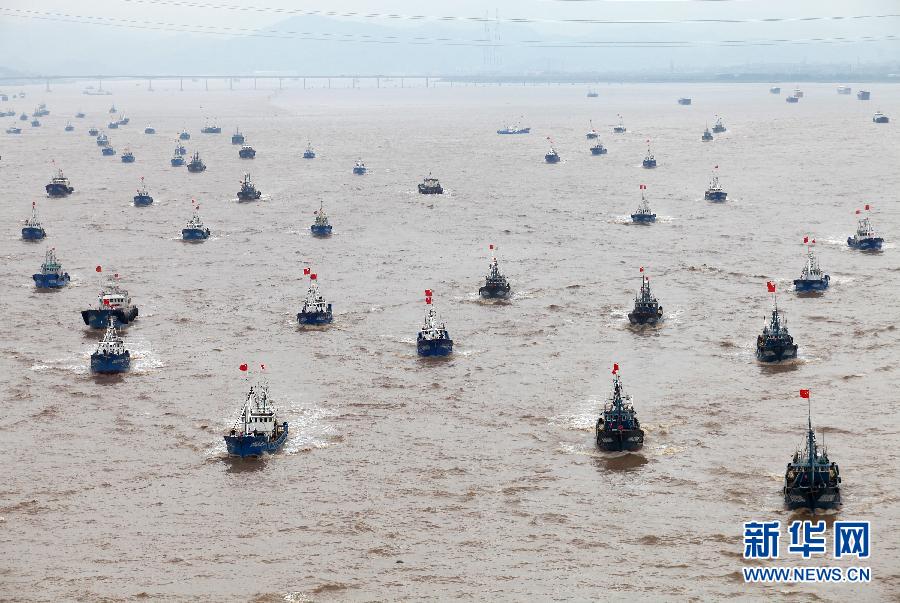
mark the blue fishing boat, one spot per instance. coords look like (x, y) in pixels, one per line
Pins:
(127, 156)
(51, 275)
(811, 480)
(111, 357)
(33, 229)
(309, 153)
(593, 94)
(684, 101)
(643, 214)
(13, 130)
(177, 159)
(41, 111)
(185, 135)
(315, 311)
(196, 165)
(149, 130)
(23, 117)
(775, 90)
(707, 135)
(792, 99)
(714, 191)
(798, 93)
(647, 310)
(211, 129)
(844, 90)
(619, 129)
(35, 123)
(430, 186)
(618, 428)
(775, 344)
(863, 95)
(880, 118)
(69, 127)
(360, 168)
(592, 133)
(248, 190)
(113, 125)
(514, 129)
(122, 121)
(102, 140)
(79, 115)
(59, 186)
(598, 149)
(865, 239)
(107, 151)
(237, 137)
(142, 198)
(113, 109)
(194, 230)
(113, 301)
(433, 339)
(649, 160)
(94, 132)
(496, 286)
(247, 152)
(321, 227)
(551, 156)
(719, 126)
(257, 431)
(811, 278)
(180, 149)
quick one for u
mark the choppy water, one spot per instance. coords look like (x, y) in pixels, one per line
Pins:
(476, 477)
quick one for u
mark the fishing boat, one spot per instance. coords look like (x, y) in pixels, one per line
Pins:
(844, 90)
(211, 129)
(33, 229)
(643, 214)
(13, 130)
(257, 431)
(430, 186)
(248, 190)
(863, 95)
(593, 94)
(649, 160)
(880, 118)
(237, 137)
(93, 132)
(791, 99)
(59, 186)
(865, 239)
(111, 356)
(23, 117)
(185, 135)
(647, 310)
(196, 165)
(360, 168)
(107, 151)
(113, 301)
(177, 159)
(775, 343)
(514, 129)
(552, 156)
(69, 127)
(51, 275)
(321, 227)
(127, 156)
(123, 121)
(598, 149)
(798, 93)
(619, 129)
(719, 126)
(309, 153)
(113, 109)
(41, 111)
(180, 149)
(496, 286)
(811, 480)
(715, 192)
(194, 230)
(315, 311)
(149, 130)
(684, 101)
(592, 133)
(433, 339)
(707, 135)
(618, 428)
(113, 125)
(142, 198)
(247, 152)
(35, 123)
(102, 140)
(811, 278)
(79, 115)
(775, 90)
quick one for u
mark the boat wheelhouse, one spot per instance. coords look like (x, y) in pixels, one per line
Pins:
(593, 94)
(865, 239)
(211, 128)
(592, 133)
(359, 168)
(13, 130)
(113, 125)
(647, 310)
(257, 431)
(113, 301)
(798, 93)
(94, 132)
(127, 156)
(863, 95)
(775, 90)
(149, 129)
(51, 275)
(309, 153)
(196, 165)
(775, 343)
(433, 338)
(618, 428)
(315, 311)
(35, 123)
(80, 115)
(59, 186)
(247, 152)
(619, 129)
(844, 90)
(248, 190)
(719, 126)
(185, 135)
(684, 101)
(111, 356)
(812, 278)
(180, 148)
(496, 286)
(107, 151)
(792, 99)
(33, 229)
(321, 227)
(69, 127)
(643, 214)
(707, 135)
(551, 156)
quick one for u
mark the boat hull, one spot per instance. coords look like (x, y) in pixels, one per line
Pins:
(249, 196)
(142, 200)
(196, 169)
(127, 158)
(237, 140)
(255, 445)
(110, 363)
(99, 319)
(320, 231)
(644, 318)
(802, 285)
(177, 162)
(434, 347)
(108, 151)
(315, 318)
(194, 234)
(246, 154)
(881, 120)
(705, 138)
(495, 291)
(431, 190)
(873, 244)
(717, 196)
(58, 190)
(625, 440)
(30, 233)
(521, 131)
(359, 171)
(643, 218)
(309, 155)
(50, 281)
(649, 165)
(598, 151)
(776, 353)
(803, 498)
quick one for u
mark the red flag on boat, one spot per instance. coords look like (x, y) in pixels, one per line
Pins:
(98, 269)
(491, 246)
(804, 393)
(857, 212)
(867, 207)
(813, 241)
(312, 276)
(643, 187)
(262, 366)
(806, 239)
(428, 300)
(771, 286)
(642, 268)
(243, 367)
(105, 302)
(615, 368)
(305, 271)
(427, 292)
(717, 167)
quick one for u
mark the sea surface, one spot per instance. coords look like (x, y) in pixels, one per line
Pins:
(473, 477)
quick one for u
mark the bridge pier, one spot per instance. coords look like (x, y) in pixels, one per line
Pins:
(254, 83)
(150, 84)
(378, 82)
(401, 82)
(231, 83)
(329, 83)
(304, 83)
(181, 84)
(207, 85)
(280, 85)
(48, 86)
(426, 82)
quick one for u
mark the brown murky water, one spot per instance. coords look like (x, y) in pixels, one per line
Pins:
(475, 477)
